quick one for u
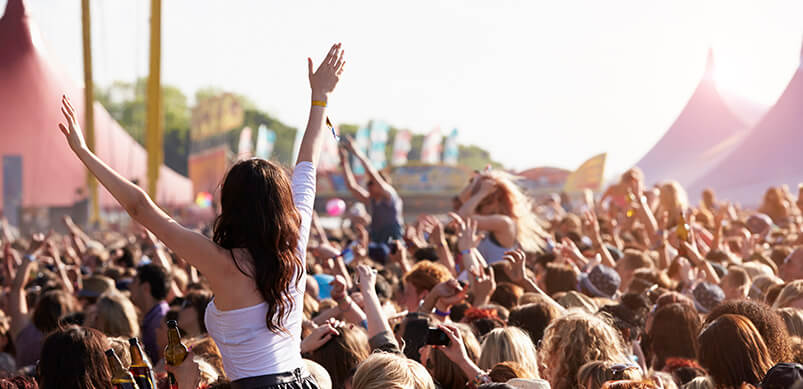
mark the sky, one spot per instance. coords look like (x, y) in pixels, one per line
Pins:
(535, 82)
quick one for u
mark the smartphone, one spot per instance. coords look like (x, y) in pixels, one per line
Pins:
(436, 337)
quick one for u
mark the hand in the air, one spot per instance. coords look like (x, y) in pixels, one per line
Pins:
(72, 131)
(324, 80)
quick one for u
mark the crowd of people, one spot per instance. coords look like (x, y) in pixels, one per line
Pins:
(638, 288)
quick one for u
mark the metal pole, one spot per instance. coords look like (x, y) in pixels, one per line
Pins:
(154, 100)
(89, 112)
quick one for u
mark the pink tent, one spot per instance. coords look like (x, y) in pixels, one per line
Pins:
(703, 133)
(770, 155)
(30, 98)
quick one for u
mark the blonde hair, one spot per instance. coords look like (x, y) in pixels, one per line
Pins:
(793, 317)
(509, 344)
(573, 340)
(391, 371)
(791, 292)
(673, 199)
(515, 204)
(600, 372)
(117, 316)
(121, 348)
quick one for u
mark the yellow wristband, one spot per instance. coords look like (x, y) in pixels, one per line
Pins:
(319, 103)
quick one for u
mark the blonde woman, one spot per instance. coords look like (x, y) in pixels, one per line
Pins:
(500, 209)
(391, 371)
(791, 296)
(573, 340)
(114, 315)
(508, 344)
(672, 200)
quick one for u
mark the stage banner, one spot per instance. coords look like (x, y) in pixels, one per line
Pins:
(244, 146)
(431, 148)
(587, 176)
(265, 140)
(362, 141)
(451, 152)
(211, 119)
(401, 147)
(379, 139)
(206, 169)
(429, 179)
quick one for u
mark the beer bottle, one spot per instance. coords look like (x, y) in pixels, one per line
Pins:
(683, 231)
(632, 198)
(175, 351)
(141, 369)
(121, 378)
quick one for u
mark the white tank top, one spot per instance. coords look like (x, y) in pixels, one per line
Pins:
(248, 348)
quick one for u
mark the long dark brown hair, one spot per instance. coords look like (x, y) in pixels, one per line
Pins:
(733, 352)
(258, 214)
(74, 357)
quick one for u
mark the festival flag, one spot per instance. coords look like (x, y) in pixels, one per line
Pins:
(431, 148)
(362, 142)
(450, 150)
(401, 147)
(265, 140)
(329, 156)
(244, 148)
(379, 139)
(587, 176)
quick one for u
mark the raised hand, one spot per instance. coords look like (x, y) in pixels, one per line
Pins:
(72, 131)
(367, 278)
(318, 337)
(516, 268)
(469, 238)
(484, 284)
(455, 351)
(324, 80)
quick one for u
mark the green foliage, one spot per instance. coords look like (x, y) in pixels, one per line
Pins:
(125, 102)
(285, 135)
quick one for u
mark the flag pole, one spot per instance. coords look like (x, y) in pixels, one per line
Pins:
(89, 112)
(153, 142)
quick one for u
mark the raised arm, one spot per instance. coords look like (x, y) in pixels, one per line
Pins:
(322, 82)
(194, 247)
(360, 193)
(370, 169)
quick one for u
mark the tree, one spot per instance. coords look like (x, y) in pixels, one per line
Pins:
(125, 102)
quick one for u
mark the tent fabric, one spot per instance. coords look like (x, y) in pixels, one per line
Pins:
(770, 155)
(30, 100)
(703, 133)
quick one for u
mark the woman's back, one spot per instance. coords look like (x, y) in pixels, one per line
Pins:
(248, 347)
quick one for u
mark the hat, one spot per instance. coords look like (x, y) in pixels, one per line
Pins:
(601, 281)
(96, 285)
(523, 383)
(707, 296)
(758, 223)
(783, 376)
